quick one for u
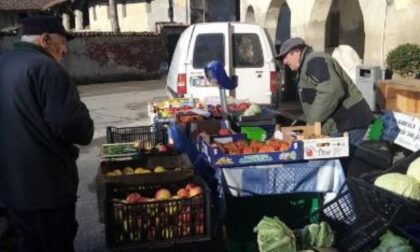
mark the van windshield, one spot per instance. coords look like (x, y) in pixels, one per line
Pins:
(247, 51)
(208, 47)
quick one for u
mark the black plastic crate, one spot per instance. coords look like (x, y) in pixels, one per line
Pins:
(149, 136)
(170, 163)
(356, 227)
(384, 202)
(156, 223)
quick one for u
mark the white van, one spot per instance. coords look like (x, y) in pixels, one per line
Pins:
(243, 49)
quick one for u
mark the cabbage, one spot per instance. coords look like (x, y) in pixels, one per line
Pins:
(254, 109)
(315, 235)
(391, 242)
(274, 236)
(414, 169)
(400, 184)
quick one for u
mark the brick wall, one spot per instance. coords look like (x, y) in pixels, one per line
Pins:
(104, 57)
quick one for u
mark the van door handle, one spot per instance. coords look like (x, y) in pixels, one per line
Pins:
(259, 72)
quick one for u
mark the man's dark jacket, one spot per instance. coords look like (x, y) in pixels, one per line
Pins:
(41, 117)
(329, 96)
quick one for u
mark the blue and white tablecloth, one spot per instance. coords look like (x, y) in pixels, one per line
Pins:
(313, 176)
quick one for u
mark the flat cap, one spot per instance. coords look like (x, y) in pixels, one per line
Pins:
(289, 45)
(37, 25)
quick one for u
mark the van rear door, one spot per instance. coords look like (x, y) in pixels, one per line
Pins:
(210, 41)
(252, 63)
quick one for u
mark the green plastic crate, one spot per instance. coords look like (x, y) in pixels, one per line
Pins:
(254, 133)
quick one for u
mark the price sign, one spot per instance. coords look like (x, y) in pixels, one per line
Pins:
(409, 131)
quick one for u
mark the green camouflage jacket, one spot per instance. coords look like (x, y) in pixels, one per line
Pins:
(329, 96)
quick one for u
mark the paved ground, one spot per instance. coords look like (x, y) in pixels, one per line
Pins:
(110, 104)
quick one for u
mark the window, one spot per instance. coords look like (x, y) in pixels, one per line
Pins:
(124, 9)
(247, 51)
(94, 12)
(208, 47)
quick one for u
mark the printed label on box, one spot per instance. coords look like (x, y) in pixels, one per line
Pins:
(326, 148)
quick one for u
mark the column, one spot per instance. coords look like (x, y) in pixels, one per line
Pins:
(78, 20)
(66, 21)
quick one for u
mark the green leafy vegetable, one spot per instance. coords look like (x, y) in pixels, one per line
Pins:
(400, 184)
(274, 236)
(394, 243)
(315, 235)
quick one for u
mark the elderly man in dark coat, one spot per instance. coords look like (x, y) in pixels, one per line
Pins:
(42, 118)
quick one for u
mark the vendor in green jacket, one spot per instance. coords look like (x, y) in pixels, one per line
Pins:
(326, 92)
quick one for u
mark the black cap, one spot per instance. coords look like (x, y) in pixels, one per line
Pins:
(37, 25)
(288, 45)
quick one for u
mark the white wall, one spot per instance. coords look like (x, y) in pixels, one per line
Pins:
(308, 19)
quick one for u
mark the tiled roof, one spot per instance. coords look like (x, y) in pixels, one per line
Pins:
(14, 5)
(115, 34)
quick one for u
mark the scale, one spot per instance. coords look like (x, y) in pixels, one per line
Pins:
(216, 75)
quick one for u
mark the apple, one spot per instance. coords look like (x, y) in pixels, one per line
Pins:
(224, 132)
(117, 172)
(195, 191)
(189, 186)
(182, 193)
(159, 169)
(243, 106)
(133, 198)
(162, 148)
(128, 171)
(163, 194)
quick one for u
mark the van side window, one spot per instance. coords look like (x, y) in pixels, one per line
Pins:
(208, 47)
(247, 50)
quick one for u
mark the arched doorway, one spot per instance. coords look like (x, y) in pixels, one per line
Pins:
(250, 15)
(283, 25)
(272, 18)
(345, 25)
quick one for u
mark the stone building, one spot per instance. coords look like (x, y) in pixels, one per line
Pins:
(371, 27)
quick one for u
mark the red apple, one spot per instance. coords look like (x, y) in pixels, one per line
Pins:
(195, 191)
(162, 148)
(243, 106)
(224, 132)
(163, 194)
(182, 193)
(133, 198)
(189, 186)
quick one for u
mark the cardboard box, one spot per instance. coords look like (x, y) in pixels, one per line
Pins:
(329, 147)
(218, 158)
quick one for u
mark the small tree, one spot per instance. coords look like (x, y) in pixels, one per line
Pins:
(405, 60)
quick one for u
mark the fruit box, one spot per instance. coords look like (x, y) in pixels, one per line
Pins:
(316, 146)
(146, 222)
(217, 158)
(148, 163)
(329, 147)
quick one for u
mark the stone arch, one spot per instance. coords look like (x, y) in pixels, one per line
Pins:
(272, 18)
(345, 26)
(315, 34)
(283, 24)
(250, 15)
